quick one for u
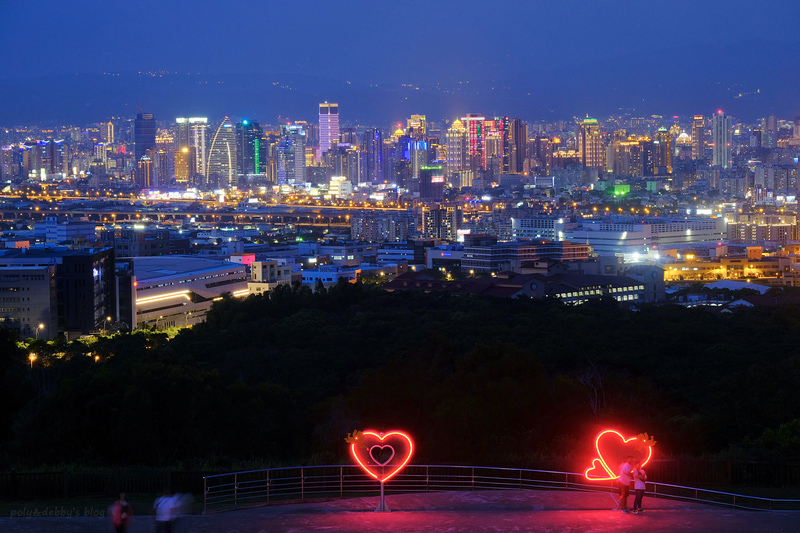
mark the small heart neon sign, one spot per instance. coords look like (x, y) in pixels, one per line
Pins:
(382, 455)
(612, 448)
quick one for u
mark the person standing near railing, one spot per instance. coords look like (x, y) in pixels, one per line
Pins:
(639, 487)
(624, 482)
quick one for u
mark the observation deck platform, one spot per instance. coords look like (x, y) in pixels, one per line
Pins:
(462, 511)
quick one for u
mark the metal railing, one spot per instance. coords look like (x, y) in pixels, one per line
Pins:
(224, 492)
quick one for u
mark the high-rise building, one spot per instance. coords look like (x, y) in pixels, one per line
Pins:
(222, 155)
(192, 132)
(417, 126)
(292, 155)
(249, 148)
(698, 137)
(144, 134)
(457, 152)
(373, 146)
(769, 135)
(185, 165)
(662, 151)
(108, 132)
(328, 127)
(590, 144)
(431, 184)
(144, 174)
(473, 123)
(721, 138)
(517, 142)
(441, 222)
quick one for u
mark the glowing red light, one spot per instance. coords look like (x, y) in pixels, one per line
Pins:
(369, 454)
(605, 444)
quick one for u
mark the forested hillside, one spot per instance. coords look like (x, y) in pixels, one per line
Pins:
(281, 379)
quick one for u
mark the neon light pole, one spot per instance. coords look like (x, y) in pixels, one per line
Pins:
(381, 456)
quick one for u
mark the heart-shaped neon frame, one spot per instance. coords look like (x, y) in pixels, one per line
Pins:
(366, 463)
(381, 447)
(607, 474)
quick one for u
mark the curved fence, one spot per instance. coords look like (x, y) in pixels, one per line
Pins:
(224, 492)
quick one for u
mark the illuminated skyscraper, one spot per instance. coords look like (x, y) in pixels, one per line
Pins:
(222, 155)
(373, 146)
(662, 151)
(108, 132)
(457, 152)
(144, 172)
(144, 134)
(517, 142)
(698, 137)
(185, 165)
(417, 126)
(292, 155)
(249, 148)
(721, 137)
(328, 127)
(474, 126)
(192, 132)
(590, 144)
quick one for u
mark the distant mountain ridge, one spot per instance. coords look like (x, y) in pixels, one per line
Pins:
(748, 80)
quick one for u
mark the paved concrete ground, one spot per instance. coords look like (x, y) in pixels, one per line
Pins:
(480, 511)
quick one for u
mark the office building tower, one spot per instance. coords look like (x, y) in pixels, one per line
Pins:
(222, 156)
(440, 222)
(431, 184)
(292, 155)
(191, 132)
(721, 139)
(185, 165)
(474, 126)
(698, 138)
(144, 173)
(348, 136)
(328, 127)
(417, 126)
(517, 143)
(373, 146)
(249, 148)
(457, 151)
(662, 151)
(107, 132)
(144, 134)
(590, 144)
(769, 134)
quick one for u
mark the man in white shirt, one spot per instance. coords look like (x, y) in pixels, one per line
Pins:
(624, 482)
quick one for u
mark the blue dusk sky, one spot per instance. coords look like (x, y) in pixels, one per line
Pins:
(382, 60)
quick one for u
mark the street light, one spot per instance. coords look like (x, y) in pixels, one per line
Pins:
(106, 321)
(39, 327)
(32, 358)
(186, 318)
(157, 319)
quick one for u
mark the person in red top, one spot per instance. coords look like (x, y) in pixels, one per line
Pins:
(121, 514)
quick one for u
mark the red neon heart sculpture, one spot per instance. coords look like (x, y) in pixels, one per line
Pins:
(612, 449)
(399, 444)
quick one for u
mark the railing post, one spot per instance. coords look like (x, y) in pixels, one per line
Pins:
(269, 484)
(566, 480)
(473, 478)
(427, 478)
(341, 481)
(520, 479)
(236, 490)
(205, 495)
(302, 485)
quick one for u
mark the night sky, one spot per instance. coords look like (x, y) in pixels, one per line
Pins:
(274, 60)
